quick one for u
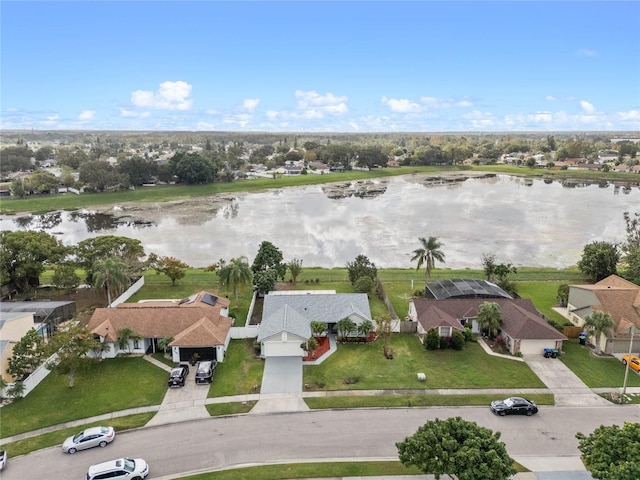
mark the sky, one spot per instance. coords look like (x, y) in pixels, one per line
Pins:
(328, 66)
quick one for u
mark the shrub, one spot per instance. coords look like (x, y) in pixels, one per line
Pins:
(432, 340)
(364, 285)
(457, 340)
(468, 334)
(444, 342)
(500, 342)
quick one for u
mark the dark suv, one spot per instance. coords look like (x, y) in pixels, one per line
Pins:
(204, 372)
(178, 375)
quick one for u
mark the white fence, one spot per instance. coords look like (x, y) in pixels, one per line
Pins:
(129, 292)
(250, 331)
(35, 378)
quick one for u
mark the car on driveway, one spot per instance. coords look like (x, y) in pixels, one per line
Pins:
(204, 372)
(89, 438)
(633, 361)
(514, 406)
(178, 375)
(121, 468)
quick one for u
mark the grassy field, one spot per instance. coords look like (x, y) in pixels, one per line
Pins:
(31, 444)
(109, 386)
(364, 367)
(386, 401)
(593, 371)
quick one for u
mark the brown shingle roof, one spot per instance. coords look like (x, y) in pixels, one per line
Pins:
(164, 320)
(520, 318)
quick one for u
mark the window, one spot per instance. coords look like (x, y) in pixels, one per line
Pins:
(136, 344)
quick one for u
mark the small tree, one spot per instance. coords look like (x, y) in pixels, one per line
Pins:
(432, 339)
(163, 343)
(365, 328)
(71, 345)
(295, 268)
(125, 337)
(170, 266)
(563, 294)
(28, 353)
(345, 327)
(490, 318)
(598, 323)
(611, 452)
(364, 285)
(318, 328)
(65, 277)
(599, 260)
(16, 391)
(312, 345)
(264, 281)
(235, 274)
(427, 254)
(361, 267)
(384, 330)
(457, 447)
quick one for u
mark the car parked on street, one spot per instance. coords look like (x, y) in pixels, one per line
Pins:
(89, 438)
(514, 406)
(204, 372)
(633, 361)
(3, 459)
(178, 375)
(121, 468)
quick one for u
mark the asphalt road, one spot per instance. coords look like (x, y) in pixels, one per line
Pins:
(342, 434)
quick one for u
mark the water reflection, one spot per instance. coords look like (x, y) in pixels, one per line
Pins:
(533, 222)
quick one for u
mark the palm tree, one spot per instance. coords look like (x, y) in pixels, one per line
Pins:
(365, 328)
(427, 254)
(236, 273)
(598, 323)
(345, 327)
(111, 274)
(490, 317)
(125, 337)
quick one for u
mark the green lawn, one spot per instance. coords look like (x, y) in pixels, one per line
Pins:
(31, 444)
(110, 385)
(424, 400)
(239, 372)
(596, 372)
(364, 367)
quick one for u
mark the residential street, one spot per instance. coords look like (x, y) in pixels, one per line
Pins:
(216, 443)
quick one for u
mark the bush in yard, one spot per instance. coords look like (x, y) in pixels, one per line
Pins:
(432, 340)
(444, 342)
(457, 340)
(468, 334)
(364, 285)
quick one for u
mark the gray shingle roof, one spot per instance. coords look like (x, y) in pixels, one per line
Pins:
(307, 308)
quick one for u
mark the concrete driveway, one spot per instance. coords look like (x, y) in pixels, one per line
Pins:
(567, 388)
(282, 375)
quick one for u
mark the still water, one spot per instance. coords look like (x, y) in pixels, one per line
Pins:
(522, 221)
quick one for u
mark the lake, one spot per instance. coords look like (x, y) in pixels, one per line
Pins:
(527, 222)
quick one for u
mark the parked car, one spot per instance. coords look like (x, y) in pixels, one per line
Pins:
(633, 361)
(122, 468)
(3, 459)
(204, 372)
(89, 438)
(178, 375)
(514, 406)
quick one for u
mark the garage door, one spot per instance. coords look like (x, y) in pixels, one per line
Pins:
(282, 375)
(204, 353)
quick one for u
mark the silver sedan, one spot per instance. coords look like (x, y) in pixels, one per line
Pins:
(89, 438)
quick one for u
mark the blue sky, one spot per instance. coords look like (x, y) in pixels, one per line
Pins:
(325, 66)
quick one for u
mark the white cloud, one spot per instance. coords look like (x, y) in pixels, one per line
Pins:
(317, 104)
(213, 111)
(464, 103)
(132, 114)
(630, 115)
(401, 105)
(585, 52)
(587, 107)
(250, 104)
(170, 96)
(551, 98)
(86, 115)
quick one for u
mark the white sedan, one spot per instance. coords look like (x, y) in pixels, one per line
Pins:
(89, 438)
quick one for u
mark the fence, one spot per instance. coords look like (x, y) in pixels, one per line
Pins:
(35, 378)
(129, 292)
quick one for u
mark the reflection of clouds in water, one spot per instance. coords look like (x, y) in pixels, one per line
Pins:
(544, 224)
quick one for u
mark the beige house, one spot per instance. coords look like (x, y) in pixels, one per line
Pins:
(616, 296)
(13, 326)
(199, 326)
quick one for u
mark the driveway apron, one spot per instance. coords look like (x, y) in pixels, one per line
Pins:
(567, 388)
(282, 375)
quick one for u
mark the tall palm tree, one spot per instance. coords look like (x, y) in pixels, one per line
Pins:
(111, 274)
(427, 254)
(598, 323)
(236, 273)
